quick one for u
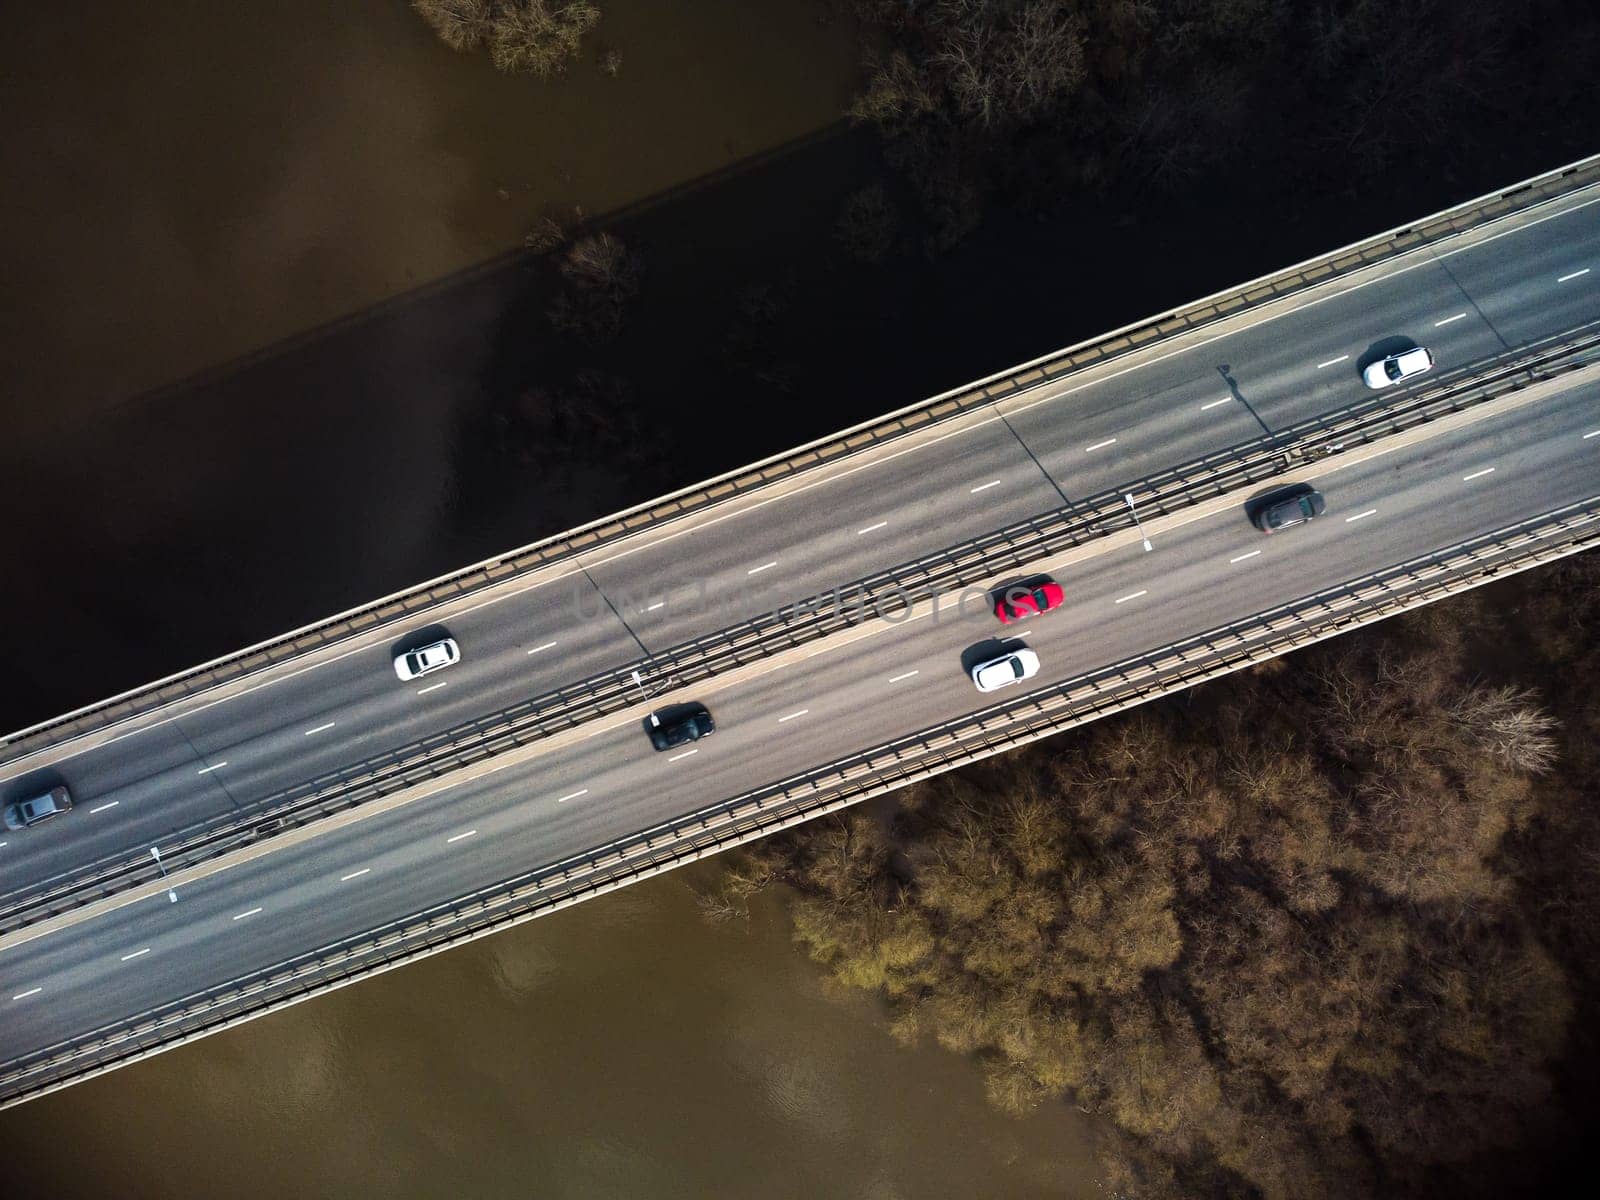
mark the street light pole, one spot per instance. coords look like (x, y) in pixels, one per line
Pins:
(156, 854)
(1128, 496)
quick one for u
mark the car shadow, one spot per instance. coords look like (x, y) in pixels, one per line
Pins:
(418, 638)
(989, 648)
(1383, 348)
(34, 783)
(1018, 587)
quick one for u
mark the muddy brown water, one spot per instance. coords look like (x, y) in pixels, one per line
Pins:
(622, 1048)
(187, 181)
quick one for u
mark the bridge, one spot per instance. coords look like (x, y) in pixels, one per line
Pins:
(289, 819)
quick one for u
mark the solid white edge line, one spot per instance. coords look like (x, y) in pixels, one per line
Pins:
(106, 805)
(1359, 515)
(1132, 595)
(793, 715)
(1574, 275)
(135, 954)
(1100, 445)
(1242, 557)
(243, 915)
(1477, 475)
(685, 754)
(546, 646)
(1214, 403)
(26, 994)
(320, 728)
(1331, 361)
(762, 567)
(354, 875)
(1460, 316)
(457, 837)
(983, 487)
(572, 795)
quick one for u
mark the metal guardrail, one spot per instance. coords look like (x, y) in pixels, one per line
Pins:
(808, 620)
(1450, 222)
(847, 781)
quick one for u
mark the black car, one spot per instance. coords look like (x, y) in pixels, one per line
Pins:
(1292, 506)
(682, 723)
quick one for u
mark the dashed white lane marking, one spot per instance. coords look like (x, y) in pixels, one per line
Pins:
(1461, 316)
(1477, 475)
(1591, 433)
(1360, 515)
(983, 487)
(793, 715)
(656, 605)
(2, 844)
(135, 954)
(871, 528)
(432, 687)
(457, 837)
(1242, 557)
(26, 994)
(320, 728)
(762, 567)
(106, 805)
(1214, 403)
(685, 754)
(572, 795)
(1100, 445)
(1573, 275)
(1132, 596)
(354, 875)
(892, 679)
(241, 916)
(546, 646)
(1331, 361)
(212, 767)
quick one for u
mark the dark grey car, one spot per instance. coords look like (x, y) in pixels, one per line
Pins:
(684, 723)
(38, 808)
(1290, 506)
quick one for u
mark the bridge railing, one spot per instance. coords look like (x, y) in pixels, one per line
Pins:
(1528, 194)
(826, 789)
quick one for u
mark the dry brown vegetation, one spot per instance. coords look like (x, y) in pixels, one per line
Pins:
(1319, 934)
(536, 36)
(602, 277)
(1028, 100)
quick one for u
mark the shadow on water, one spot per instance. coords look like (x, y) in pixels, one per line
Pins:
(455, 422)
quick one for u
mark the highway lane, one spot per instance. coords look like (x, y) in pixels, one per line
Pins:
(1096, 432)
(1121, 602)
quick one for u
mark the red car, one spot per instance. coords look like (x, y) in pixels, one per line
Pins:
(1019, 603)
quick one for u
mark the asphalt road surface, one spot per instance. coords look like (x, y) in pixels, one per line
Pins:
(1098, 431)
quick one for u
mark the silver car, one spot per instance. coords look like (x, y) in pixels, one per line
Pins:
(1397, 368)
(414, 664)
(38, 808)
(1014, 667)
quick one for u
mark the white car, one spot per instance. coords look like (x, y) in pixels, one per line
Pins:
(414, 664)
(1397, 368)
(1007, 669)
